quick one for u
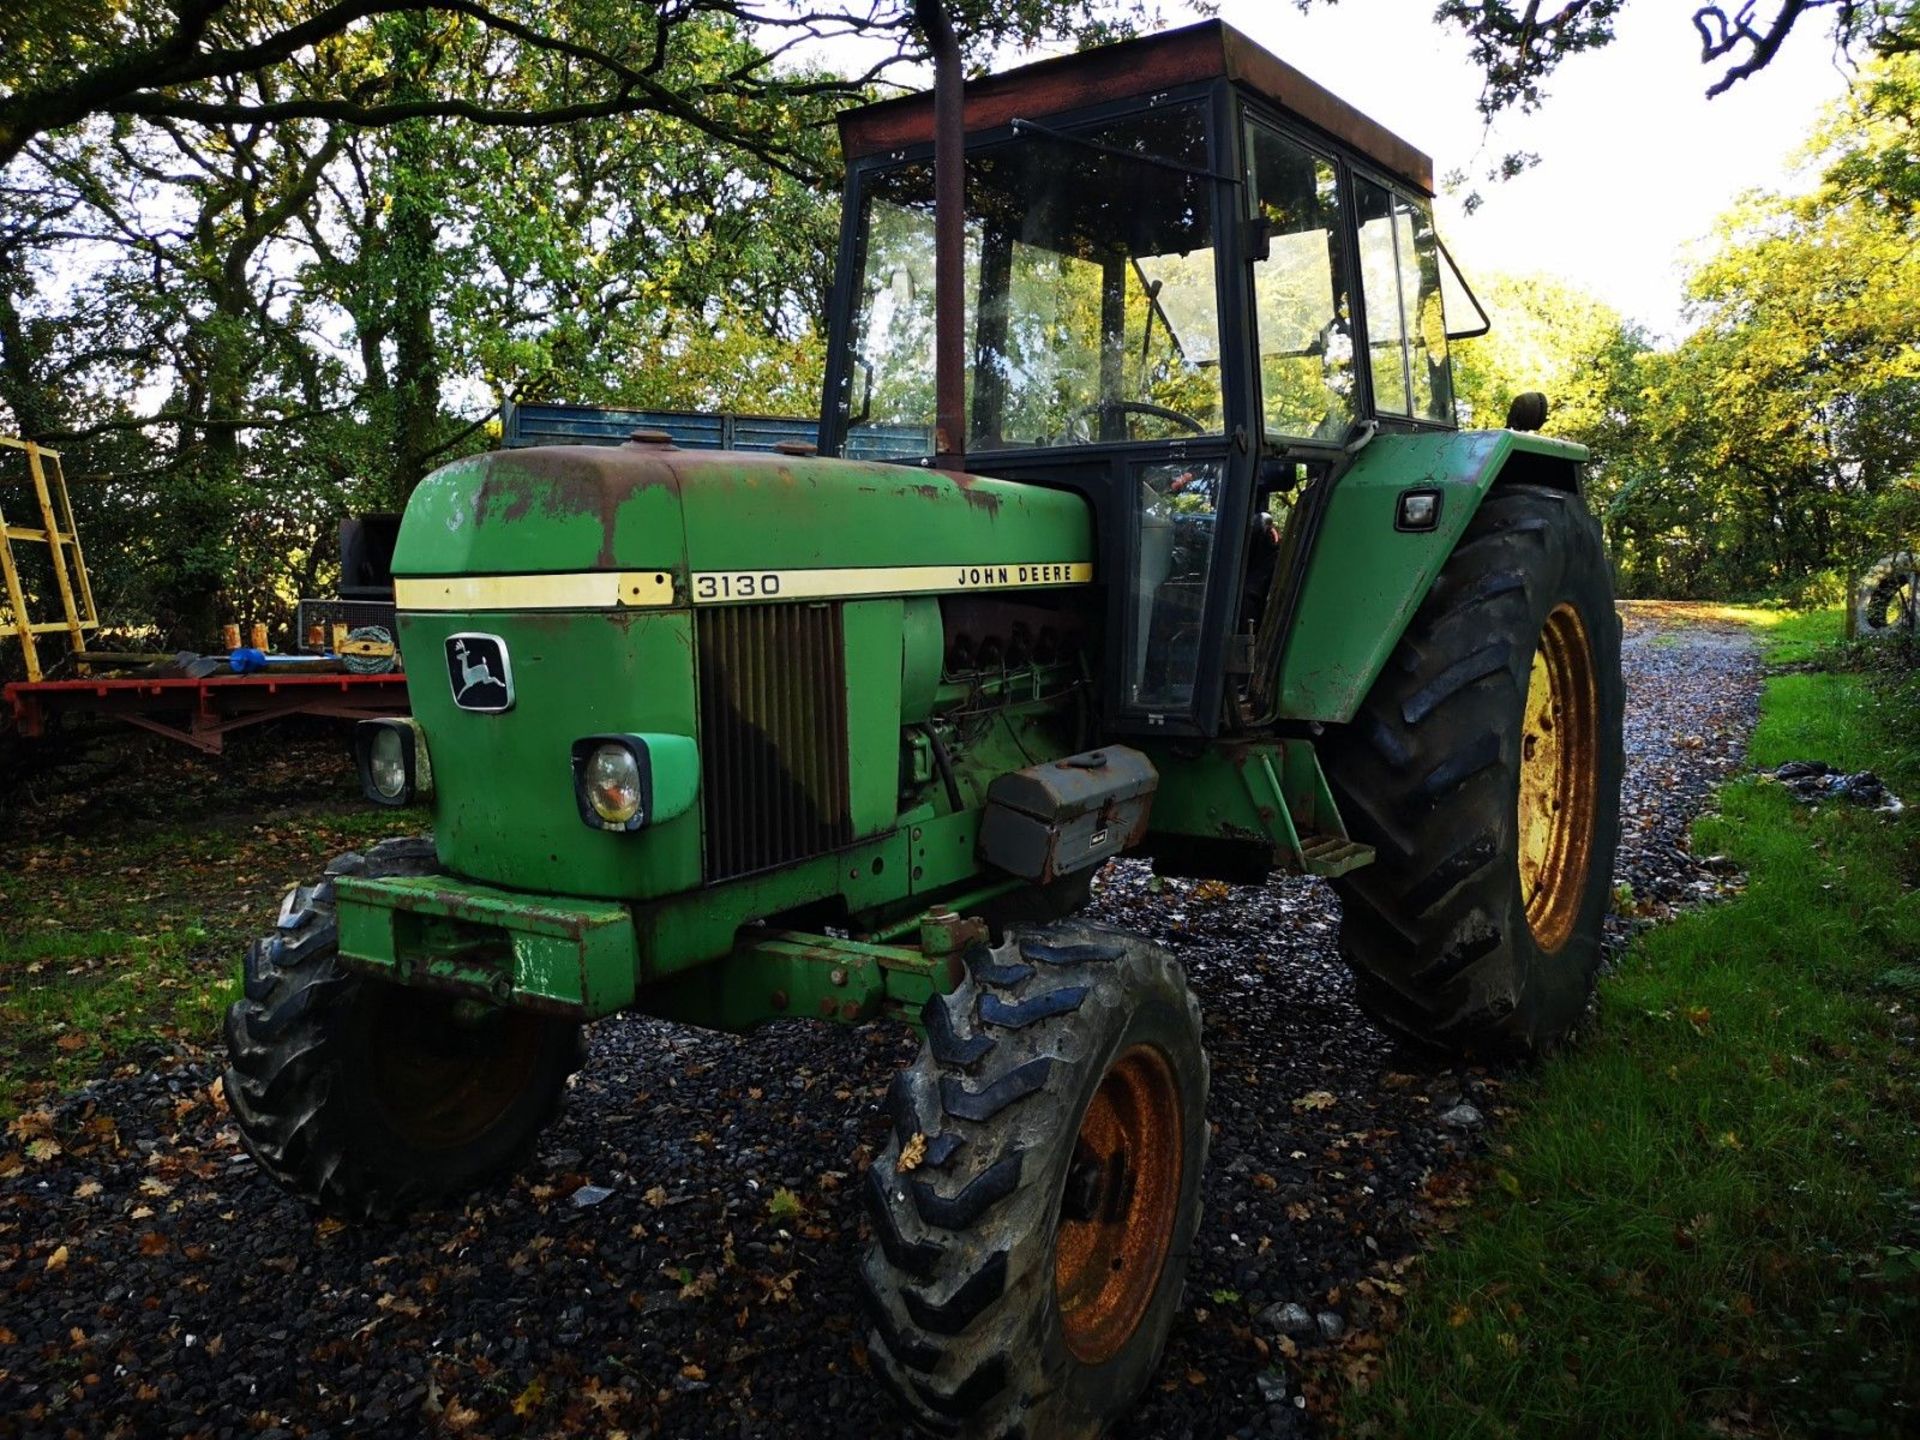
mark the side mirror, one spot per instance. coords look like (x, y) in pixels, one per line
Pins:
(1528, 411)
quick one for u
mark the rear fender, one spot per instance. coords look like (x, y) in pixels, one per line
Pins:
(1366, 578)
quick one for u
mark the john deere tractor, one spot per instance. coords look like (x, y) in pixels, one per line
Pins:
(1177, 553)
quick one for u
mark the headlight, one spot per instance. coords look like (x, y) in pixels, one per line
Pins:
(628, 782)
(387, 764)
(610, 782)
(392, 758)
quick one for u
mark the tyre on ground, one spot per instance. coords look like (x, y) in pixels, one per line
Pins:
(1036, 1202)
(1484, 767)
(368, 1099)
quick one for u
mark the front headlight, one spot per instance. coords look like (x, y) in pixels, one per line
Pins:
(387, 765)
(628, 782)
(392, 759)
(610, 783)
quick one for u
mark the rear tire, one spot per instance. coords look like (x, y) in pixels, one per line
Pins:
(367, 1099)
(1484, 767)
(1029, 1259)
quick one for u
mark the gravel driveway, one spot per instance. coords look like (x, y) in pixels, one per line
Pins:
(680, 1262)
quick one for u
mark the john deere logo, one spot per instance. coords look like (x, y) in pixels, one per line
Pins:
(477, 669)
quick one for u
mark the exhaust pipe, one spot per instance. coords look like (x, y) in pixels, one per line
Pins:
(949, 236)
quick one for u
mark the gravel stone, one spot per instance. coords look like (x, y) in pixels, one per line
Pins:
(1463, 1117)
(1287, 1319)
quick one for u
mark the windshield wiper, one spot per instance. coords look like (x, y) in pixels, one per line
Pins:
(1067, 137)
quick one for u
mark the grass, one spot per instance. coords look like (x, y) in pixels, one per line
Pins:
(1705, 1219)
(129, 940)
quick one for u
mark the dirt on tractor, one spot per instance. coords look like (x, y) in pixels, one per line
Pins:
(680, 1259)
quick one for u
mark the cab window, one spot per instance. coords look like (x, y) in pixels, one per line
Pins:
(1300, 290)
(1177, 503)
(1406, 319)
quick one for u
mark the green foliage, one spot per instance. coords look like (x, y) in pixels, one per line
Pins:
(255, 289)
(1705, 1219)
(1777, 446)
(1788, 423)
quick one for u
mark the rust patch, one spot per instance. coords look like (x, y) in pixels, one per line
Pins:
(1117, 1216)
(970, 491)
(565, 480)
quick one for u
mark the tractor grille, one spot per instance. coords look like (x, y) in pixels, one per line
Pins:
(773, 735)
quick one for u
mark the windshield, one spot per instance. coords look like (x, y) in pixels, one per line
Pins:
(1092, 312)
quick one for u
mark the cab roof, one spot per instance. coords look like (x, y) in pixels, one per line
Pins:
(1210, 50)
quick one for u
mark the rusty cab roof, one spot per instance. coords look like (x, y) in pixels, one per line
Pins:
(1211, 50)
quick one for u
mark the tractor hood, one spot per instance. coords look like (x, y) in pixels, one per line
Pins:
(654, 508)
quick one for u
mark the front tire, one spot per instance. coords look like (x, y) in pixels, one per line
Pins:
(1034, 1208)
(367, 1099)
(1484, 767)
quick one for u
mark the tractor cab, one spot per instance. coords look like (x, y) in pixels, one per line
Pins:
(1195, 283)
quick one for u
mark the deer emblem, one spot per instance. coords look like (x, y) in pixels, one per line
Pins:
(472, 674)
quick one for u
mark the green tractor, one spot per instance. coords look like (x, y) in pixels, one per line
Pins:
(1140, 525)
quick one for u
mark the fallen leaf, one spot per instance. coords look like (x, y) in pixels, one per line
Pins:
(42, 1150)
(1315, 1100)
(58, 1259)
(912, 1153)
(656, 1197)
(30, 1123)
(86, 1190)
(459, 1417)
(528, 1400)
(700, 1285)
(70, 1042)
(691, 1371)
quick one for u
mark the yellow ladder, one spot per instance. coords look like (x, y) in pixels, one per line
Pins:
(76, 591)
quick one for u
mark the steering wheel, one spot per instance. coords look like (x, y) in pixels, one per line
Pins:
(1102, 408)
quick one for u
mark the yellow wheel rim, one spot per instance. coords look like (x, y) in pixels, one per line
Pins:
(1559, 742)
(1123, 1197)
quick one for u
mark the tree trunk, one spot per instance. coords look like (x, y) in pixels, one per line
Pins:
(414, 259)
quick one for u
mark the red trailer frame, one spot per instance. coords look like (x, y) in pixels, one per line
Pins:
(201, 712)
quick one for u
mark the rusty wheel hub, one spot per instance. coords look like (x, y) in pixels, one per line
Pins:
(441, 1082)
(1118, 1209)
(1559, 742)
